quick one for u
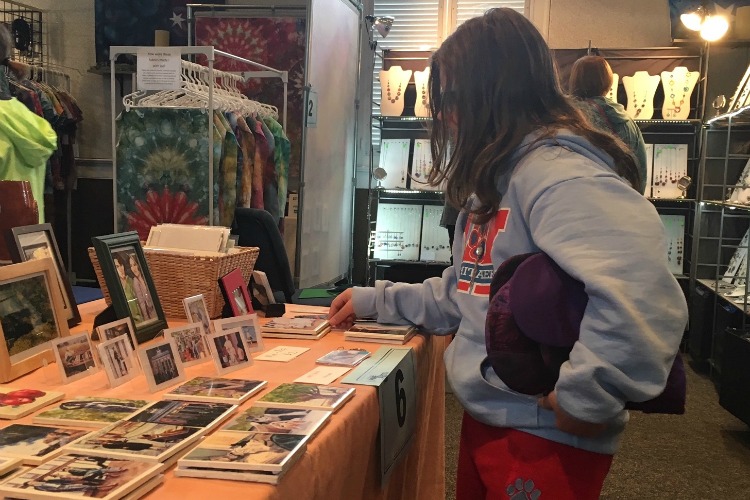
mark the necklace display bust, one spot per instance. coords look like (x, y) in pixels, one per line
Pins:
(393, 84)
(678, 85)
(640, 89)
(422, 83)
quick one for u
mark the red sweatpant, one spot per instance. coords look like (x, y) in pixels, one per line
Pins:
(499, 463)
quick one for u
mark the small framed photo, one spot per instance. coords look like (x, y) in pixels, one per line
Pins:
(190, 342)
(197, 312)
(229, 351)
(116, 329)
(129, 282)
(31, 315)
(161, 364)
(75, 357)
(38, 242)
(234, 289)
(250, 327)
(119, 360)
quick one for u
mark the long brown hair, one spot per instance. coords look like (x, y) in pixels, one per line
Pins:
(590, 76)
(499, 83)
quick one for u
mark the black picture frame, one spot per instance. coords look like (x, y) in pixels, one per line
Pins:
(133, 295)
(38, 241)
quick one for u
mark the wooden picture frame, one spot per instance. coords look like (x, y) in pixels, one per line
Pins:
(249, 325)
(113, 329)
(119, 360)
(197, 311)
(36, 242)
(236, 294)
(161, 364)
(31, 314)
(190, 342)
(129, 282)
(229, 351)
(75, 357)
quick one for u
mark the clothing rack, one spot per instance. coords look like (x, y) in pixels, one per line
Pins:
(210, 53)
(42, 73)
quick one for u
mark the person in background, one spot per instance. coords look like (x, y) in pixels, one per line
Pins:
(535, 176)
(590, 80)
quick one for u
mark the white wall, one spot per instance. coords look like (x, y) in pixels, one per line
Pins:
(569, 24)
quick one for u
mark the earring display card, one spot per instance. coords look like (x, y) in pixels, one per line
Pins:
(741, 192)
(397, 231)
(421, 164)
(394, 159)
(670, 164)
(435, 243)
(674, 229)
(737, 268)
(649, 170)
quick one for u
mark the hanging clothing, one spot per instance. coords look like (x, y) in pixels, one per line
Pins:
(281, 154)
(26, 142)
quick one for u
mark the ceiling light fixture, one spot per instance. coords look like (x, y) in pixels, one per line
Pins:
(711, 26)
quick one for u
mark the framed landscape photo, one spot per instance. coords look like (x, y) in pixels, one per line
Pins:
(190, 342)
(75, 357)
(37, 242)
(161, 364)
(119, 360)
(31, 315)
(229, 351)
(234, 289)
(197, 312)
(129, 282)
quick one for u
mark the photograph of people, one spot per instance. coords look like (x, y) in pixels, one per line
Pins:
(230, 349)
(197, 313)
(239, 300)
(121, 265)
(141, 288)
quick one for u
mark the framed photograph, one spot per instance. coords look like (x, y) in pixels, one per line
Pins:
(75, 357)
(38, 242)
(161, 364)
(250, 327)
(190, 342)
(117, 328)
(229, 351)
(261, 289)
(235, 292)
(129, 282)
(79, 476)
(118, 360)
(31, 314)
(197, 312)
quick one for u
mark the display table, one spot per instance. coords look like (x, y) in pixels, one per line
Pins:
(341, 461)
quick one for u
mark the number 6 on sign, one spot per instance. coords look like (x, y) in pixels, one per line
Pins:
(398, 403)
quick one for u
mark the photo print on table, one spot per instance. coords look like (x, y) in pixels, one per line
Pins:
(78, 476)
(31, 314)
(197, 312)
(117, 328)
(38, 242)
(90, 411)
(36, 444)
(279, 420)
(75, 357)
(129, 282)
(229, 351)
(119, 361)
(202, 414)
(161, 364)
(17, 403)
(249, 325)
(190, 342)
(222, 390)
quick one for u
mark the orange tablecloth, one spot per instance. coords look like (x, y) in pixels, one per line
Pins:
(341, 462)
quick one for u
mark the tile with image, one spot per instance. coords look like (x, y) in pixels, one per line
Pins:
(187, 413)
(90, 411)
(118, 360)
(278, 420)
(190, 342)
(75, 357)
(225, 390)
(35, 443)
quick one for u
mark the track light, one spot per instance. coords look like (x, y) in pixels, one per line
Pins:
(711, 26)
(381, 24)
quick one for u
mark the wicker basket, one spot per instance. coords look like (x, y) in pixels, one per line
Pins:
(177, 276)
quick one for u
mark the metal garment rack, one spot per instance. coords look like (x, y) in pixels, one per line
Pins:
(210, 53)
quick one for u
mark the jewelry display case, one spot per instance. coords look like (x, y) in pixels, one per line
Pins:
(403, 210)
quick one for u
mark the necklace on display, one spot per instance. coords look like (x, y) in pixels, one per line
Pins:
(424, 94)
(638, 108)
(388, 91)
(672, 94)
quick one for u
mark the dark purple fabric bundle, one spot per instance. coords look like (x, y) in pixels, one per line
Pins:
(534, 318)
